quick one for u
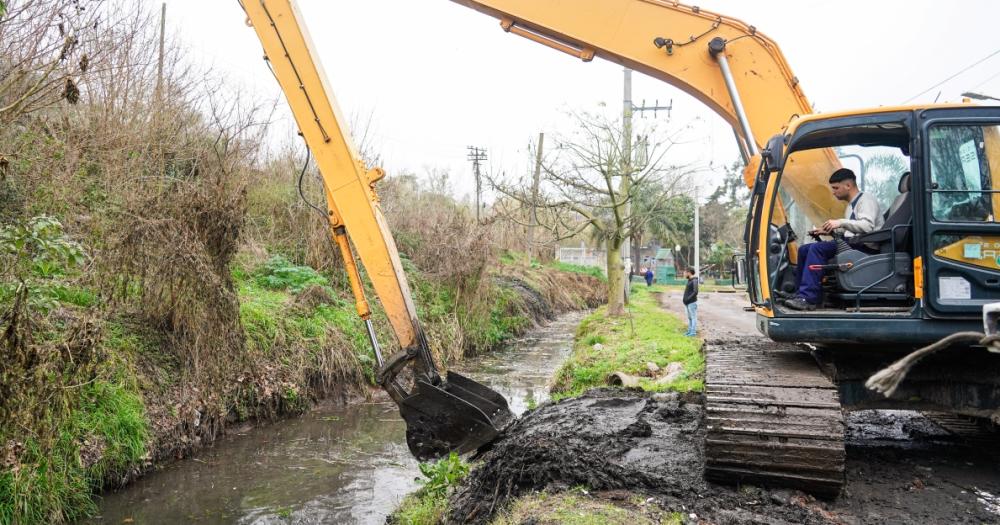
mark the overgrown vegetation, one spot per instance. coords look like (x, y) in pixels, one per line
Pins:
(648, 334)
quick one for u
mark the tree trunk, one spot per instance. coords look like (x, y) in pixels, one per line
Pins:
(616, 278)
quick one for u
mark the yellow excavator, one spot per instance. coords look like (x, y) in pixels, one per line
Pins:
(773, 415)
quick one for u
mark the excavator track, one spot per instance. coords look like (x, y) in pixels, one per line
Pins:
(772, 417)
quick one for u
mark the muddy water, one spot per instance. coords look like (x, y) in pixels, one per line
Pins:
(333, 465)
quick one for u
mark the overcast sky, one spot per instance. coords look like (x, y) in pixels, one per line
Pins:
(438, 77)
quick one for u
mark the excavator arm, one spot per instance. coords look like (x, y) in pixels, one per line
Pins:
(442, 415)
(694, 50)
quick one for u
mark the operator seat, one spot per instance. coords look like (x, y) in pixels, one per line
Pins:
(873, 255)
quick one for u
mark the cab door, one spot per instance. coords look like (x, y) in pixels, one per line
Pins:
(958, 220)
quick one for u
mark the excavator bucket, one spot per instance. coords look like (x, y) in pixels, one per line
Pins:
(459, 415)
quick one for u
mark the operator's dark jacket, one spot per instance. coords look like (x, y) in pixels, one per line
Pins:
(691, 291)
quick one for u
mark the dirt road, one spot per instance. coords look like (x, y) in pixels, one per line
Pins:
(720, 315)
(631, 446)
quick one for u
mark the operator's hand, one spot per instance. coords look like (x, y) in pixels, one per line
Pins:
(830, 225)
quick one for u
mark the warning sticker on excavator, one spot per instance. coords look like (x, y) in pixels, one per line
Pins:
(954, 288)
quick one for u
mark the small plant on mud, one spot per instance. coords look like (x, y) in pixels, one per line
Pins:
(444, 474)
(430, 503)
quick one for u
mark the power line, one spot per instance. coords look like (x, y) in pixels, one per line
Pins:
(979, 85)
(980, 61)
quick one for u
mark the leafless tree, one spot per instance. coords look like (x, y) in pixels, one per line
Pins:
(591, 181)
(46, 46)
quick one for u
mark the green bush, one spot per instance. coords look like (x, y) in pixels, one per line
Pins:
(278, 273)
(34, 254)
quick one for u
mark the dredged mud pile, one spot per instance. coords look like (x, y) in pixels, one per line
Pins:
(612, 440)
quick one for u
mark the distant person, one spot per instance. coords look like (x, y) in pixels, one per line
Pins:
(691, 302)
(649, 276)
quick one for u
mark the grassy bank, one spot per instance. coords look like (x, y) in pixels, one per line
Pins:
(648, 334)
(602, 345)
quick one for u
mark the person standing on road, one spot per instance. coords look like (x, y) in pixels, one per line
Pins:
(649, 276)
(691, 302)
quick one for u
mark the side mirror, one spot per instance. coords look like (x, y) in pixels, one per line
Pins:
(773, 153)
(739, 269)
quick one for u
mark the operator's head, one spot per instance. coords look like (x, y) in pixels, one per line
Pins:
(843, 184)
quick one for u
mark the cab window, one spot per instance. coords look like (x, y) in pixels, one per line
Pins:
(963, 163)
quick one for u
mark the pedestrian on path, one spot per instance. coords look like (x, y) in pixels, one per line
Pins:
(648, 274)
(691, 302)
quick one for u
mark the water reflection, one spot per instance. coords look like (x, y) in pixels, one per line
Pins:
(333, 465)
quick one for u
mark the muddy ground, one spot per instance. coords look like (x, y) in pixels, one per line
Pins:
(901, 466)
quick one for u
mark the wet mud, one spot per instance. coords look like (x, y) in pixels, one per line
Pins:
(611, 440)
(901, 467)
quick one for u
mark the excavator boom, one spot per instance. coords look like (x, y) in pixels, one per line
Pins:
(681, 46)
(442, 415)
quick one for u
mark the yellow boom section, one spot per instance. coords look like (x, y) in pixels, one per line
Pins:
(349, 184)
(624, 31)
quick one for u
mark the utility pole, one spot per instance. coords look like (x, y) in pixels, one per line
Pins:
(626, 184)
(533, 220)
(477, 155)
(697, 234)
(159, 62)
(628, 110)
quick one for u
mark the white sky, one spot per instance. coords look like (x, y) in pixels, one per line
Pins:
(438, 77)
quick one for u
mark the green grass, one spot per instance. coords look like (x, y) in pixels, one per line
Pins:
(52, 483)
(592, 271)
(74, 295)
(280, 274)
(576, 507)
(491, 323)
(652, 335)
(273, 324)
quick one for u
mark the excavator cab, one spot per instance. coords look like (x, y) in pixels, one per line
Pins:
(933, 262)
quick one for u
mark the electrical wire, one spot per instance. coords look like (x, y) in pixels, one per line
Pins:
(980, 61)
(979, 85)
(302, 194)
